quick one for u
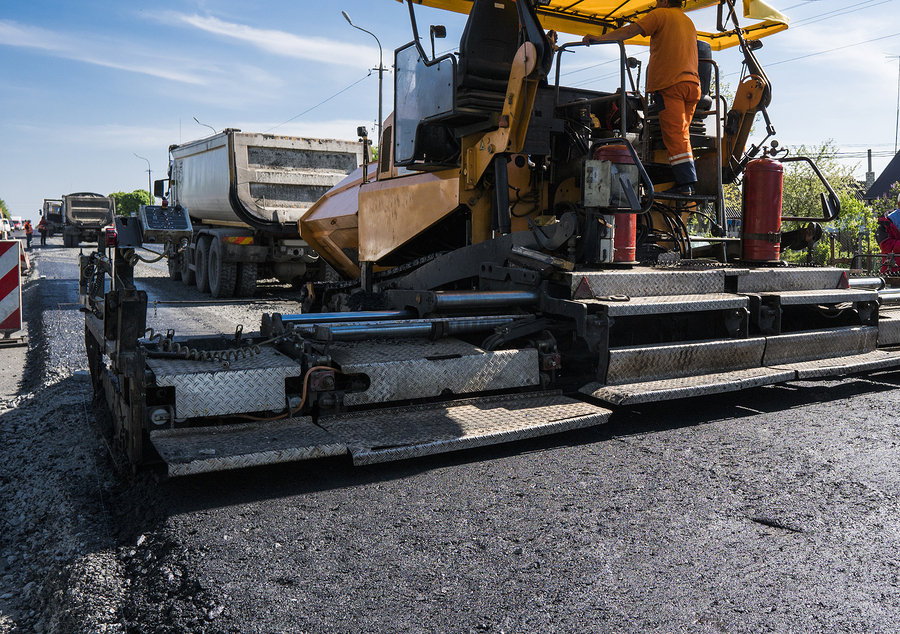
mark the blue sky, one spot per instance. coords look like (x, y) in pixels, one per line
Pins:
(87, 84)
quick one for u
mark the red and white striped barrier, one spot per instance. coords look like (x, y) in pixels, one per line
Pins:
(10, 286)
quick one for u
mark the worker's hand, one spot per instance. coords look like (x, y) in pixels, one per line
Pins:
(587, 40)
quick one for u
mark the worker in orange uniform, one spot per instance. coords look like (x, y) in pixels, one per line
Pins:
(29, 233)
(672, 75)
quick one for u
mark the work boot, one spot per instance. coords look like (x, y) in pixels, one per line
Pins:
(686, 189)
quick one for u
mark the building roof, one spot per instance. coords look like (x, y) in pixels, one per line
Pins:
(882, 184)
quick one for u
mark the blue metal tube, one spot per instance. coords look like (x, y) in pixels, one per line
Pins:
(334, 318)
(484, 299)
(417, 328)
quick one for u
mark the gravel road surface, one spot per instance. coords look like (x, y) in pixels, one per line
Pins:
(772, 510)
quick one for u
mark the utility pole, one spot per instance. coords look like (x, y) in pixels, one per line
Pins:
(380, 70)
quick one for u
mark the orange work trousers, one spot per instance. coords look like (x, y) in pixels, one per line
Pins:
(677, 109)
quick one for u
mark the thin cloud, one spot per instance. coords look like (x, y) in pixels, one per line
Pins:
(105, 136)
(88, 51)
(315, 49)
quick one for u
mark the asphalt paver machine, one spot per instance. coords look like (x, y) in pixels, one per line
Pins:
(510, 266)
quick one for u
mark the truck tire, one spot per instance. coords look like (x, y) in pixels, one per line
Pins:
(187, 275)
(174, 268)
(246, 279)
(201, 264)
(222, 274)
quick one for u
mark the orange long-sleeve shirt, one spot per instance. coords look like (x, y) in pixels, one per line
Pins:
(673, 48)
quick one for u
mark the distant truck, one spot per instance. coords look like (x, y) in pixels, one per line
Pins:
(244, 194)
(52, 215)
(86, 215)
(16, 222)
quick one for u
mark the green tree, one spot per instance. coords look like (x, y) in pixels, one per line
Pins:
(883, 204)
(802, 197)
(127, 203)
(4, 209)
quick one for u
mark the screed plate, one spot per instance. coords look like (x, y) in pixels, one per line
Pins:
(204, 449)
(669, 389)
(409, 432)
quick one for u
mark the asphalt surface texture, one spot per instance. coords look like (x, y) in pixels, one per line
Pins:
(770, 510)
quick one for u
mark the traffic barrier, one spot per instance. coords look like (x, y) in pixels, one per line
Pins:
(10, 286)
(24, 262)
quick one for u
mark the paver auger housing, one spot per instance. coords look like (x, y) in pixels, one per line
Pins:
(511, 266)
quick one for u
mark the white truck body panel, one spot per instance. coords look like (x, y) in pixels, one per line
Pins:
(238, 178)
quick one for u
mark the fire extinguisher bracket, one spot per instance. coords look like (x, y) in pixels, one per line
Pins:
(766, 237)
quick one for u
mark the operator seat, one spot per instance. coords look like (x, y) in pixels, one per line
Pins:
(486, 50)
(704, 51)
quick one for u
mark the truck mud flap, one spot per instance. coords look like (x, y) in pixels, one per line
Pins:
(684, 387)
(410, 432)
(203, 449)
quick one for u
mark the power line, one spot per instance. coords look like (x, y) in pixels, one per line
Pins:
(320, 103)
(859, 155)
(832, 50)
(868, 4)
(797, 5)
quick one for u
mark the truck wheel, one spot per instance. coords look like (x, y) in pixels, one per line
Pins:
(174, 268)
(202, 264)
(246, 279)
(222, 274)
(187, 275)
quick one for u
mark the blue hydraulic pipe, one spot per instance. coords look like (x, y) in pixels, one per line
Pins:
(424, 328)
(450, 300)
(367, 315)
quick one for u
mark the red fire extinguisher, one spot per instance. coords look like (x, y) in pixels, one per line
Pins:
(761, 231)
(625, 223)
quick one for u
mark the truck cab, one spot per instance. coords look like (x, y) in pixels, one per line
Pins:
(86, 214)
(52, 214)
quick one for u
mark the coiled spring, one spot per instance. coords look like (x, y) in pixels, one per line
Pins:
(166, 343)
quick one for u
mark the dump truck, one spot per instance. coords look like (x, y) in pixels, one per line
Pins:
(52, 213)
(86, 216)
(511, 266)
(244, 193)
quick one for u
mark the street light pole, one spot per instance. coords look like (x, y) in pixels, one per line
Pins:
(205, 124)
(149, 179)
(380, 69)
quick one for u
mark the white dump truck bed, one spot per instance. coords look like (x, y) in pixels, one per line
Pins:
(261, 180)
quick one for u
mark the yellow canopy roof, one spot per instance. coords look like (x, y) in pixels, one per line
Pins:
(581, 17)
